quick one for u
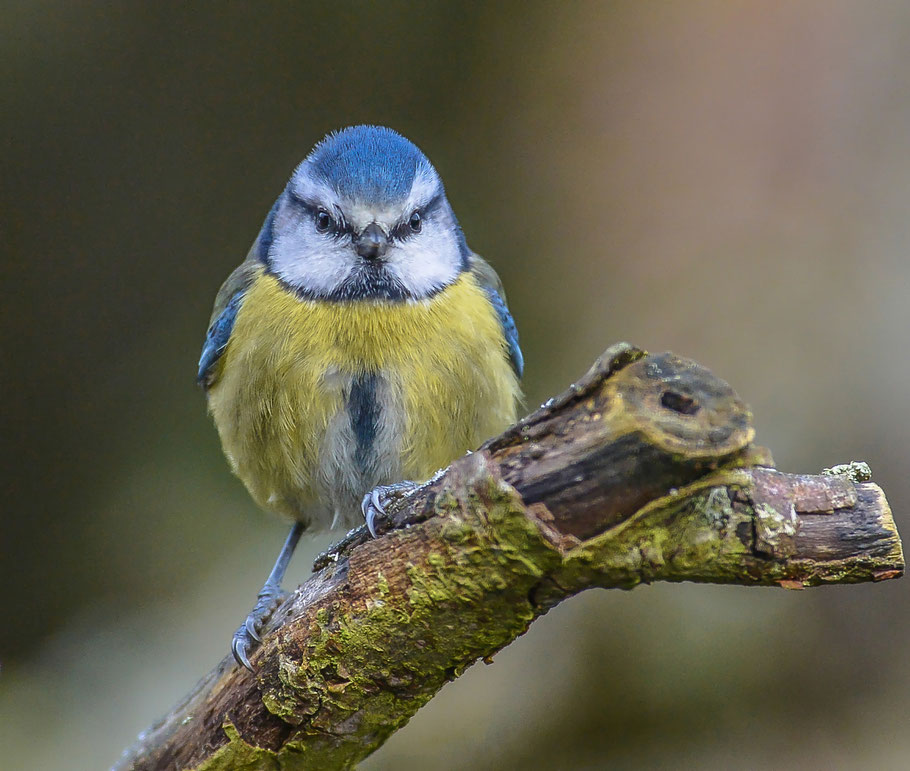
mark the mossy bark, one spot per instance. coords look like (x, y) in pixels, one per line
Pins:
(642, 471)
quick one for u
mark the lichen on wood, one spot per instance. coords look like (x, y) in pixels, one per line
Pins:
(644, 470)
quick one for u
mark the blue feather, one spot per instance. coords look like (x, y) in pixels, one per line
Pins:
(216, 340)
(370, 164)
(509, 330)
(267, 234)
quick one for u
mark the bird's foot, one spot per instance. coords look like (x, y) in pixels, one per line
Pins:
(373, 507)
(375, 502)
(248, 636)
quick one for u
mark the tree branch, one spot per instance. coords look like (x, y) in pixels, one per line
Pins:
(642, 471)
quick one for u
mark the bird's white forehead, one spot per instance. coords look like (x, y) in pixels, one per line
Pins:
(357, 213)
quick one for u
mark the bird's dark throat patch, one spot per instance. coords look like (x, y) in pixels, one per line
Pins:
(364, 409)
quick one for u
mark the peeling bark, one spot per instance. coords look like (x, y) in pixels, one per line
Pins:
(642, 471)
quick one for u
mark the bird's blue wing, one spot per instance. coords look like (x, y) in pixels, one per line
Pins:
(227, 303)
(216, 340)
(489, 280)
(509, 330)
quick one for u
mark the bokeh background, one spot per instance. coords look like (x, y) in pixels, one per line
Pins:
(727, 180)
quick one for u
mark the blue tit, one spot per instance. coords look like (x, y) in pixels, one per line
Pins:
(361, 343)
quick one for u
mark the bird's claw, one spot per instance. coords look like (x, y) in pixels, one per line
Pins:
(248, 636)
(372, 508)
(239, 647)
(250, 626)
(374, 503)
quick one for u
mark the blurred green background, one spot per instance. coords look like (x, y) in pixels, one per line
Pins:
(727, 180)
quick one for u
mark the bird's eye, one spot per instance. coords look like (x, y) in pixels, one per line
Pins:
(414, 222)
(323, 221)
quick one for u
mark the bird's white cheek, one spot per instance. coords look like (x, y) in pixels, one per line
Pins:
(426, 264)
(317, 267)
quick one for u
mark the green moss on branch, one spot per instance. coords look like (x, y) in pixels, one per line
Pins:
(643, 471)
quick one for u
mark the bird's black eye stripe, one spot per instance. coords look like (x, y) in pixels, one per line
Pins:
(301, 203)
(336, 225)
(407, 228)
(416, 218)
(401, 231)
(430, 205)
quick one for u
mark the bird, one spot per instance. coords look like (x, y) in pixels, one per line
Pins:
(360, 346)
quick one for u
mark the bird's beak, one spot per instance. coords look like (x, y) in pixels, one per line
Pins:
(372, 243)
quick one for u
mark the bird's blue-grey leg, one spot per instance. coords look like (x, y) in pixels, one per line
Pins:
(375, 501)
(269, 598)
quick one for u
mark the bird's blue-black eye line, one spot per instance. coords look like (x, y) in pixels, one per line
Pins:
(417, 217)
(333, 225)
(301, 203)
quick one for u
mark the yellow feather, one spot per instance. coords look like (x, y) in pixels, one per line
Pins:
(280, 390)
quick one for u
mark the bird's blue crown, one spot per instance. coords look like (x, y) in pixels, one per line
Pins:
(369, 164)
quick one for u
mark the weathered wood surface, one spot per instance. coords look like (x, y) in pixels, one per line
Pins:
(642, 471)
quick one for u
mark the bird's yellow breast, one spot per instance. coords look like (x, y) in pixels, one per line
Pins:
(438, 371)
